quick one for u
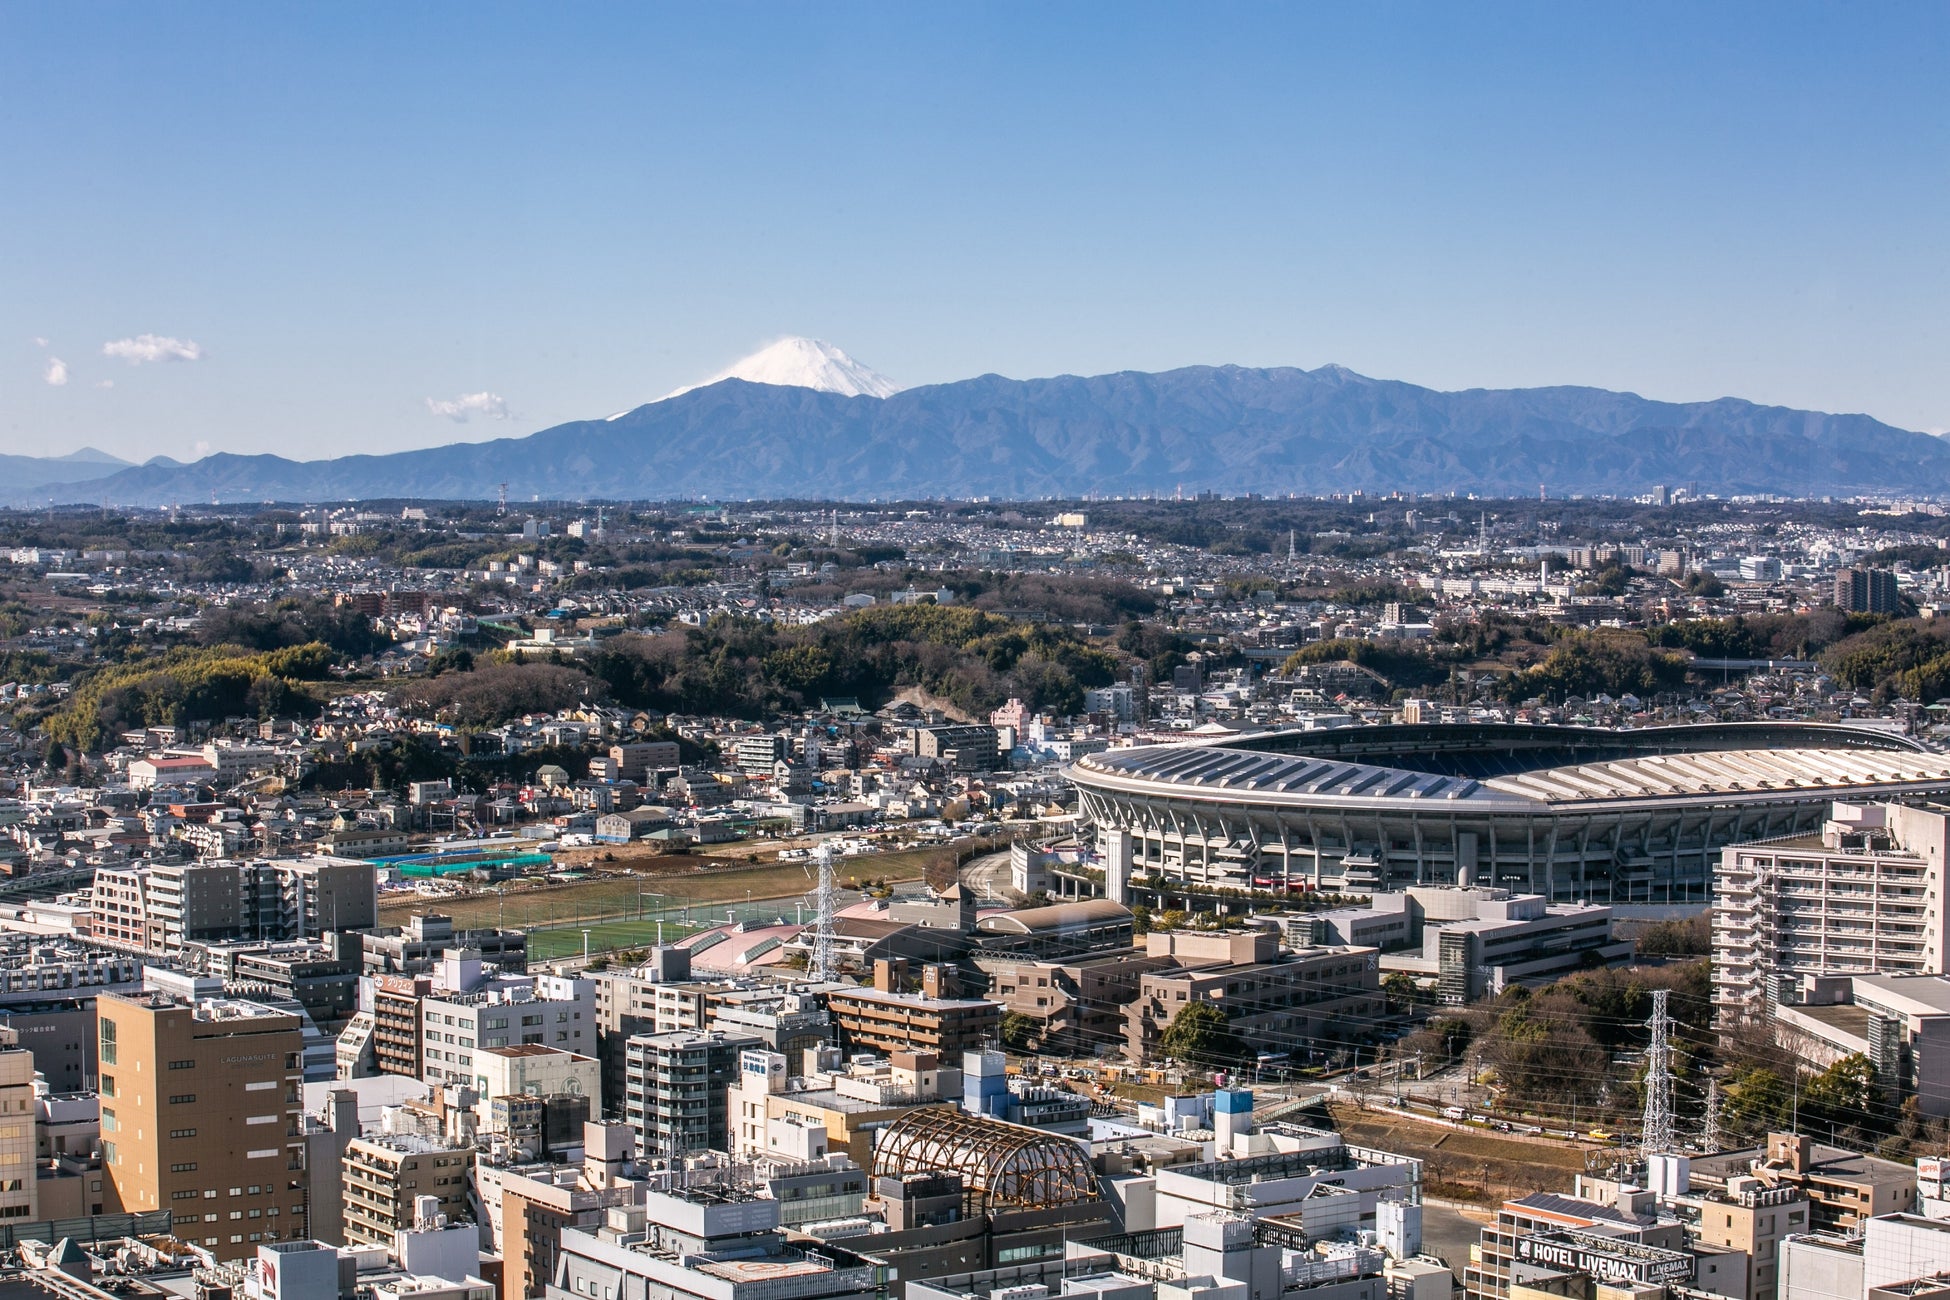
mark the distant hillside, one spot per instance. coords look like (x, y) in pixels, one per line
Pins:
(21, 473)
(1225, 428)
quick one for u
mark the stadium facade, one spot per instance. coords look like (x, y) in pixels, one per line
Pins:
(1626, 817)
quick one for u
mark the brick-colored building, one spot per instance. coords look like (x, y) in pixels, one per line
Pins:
(200, 1116)
(1275, 1000)
(884, 1019)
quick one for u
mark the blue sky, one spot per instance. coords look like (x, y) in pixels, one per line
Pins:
(351, 210)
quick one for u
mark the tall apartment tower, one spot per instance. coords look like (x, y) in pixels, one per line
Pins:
(1866, 591)
(201, 1107)
(1864, 897)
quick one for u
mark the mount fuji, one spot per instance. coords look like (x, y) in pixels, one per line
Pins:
(803, 363)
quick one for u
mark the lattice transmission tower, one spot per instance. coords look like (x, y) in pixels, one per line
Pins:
(1658, 1136)
(824, 965)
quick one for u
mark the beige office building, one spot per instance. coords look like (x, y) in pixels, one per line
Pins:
(201, 1105)
(18, 1166)
(385, 1174)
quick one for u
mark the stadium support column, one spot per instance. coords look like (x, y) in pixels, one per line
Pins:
(1117, 866)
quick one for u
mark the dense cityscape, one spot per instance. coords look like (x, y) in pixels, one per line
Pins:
(1341, 693)
(1333, 898)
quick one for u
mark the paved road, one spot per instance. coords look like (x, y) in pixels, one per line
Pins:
(1448, 1233)
(987, 876)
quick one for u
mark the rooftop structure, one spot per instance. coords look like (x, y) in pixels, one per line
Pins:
(1001, 1165)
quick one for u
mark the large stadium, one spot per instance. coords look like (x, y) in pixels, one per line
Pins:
(1568, 812)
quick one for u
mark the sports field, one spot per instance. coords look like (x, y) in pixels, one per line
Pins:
(667, 884)
(604, 937)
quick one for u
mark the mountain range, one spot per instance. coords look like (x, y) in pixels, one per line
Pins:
(1230, 429)
(26, 472)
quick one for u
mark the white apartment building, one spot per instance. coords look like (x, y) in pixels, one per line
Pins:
(473, 1013)
(157, 909)
(1864, 897)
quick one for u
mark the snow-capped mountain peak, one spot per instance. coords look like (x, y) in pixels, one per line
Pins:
(805, 363)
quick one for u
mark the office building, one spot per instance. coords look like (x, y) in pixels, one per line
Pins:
(416, 947)
(1471, 943)
(1844, 1188)
(19, 1108)
(695, 1239)
(200, 1116)
(1900, 1023)
(1076, 1004)
(1275, 999)
(311, 974)
(47, 994)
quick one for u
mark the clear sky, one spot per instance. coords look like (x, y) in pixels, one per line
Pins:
(363, 222)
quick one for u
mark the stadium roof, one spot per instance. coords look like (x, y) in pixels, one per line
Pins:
(1671, 775)
(1238, 775)
(1245, 771)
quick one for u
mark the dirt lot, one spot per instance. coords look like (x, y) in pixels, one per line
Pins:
(1455, 1160)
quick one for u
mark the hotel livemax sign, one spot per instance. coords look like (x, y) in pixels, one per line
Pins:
(1607, 1261)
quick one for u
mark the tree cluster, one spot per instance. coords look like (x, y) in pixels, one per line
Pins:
(188, 685)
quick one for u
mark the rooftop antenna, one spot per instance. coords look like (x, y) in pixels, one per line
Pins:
(1658, 1137)
(824, 964)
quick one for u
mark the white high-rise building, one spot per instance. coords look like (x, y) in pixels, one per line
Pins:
(1864, 897)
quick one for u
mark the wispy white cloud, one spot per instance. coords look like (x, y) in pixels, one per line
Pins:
(104, 383)
(56, 372)
(489, 406)
(39, 342)
(153, 347)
